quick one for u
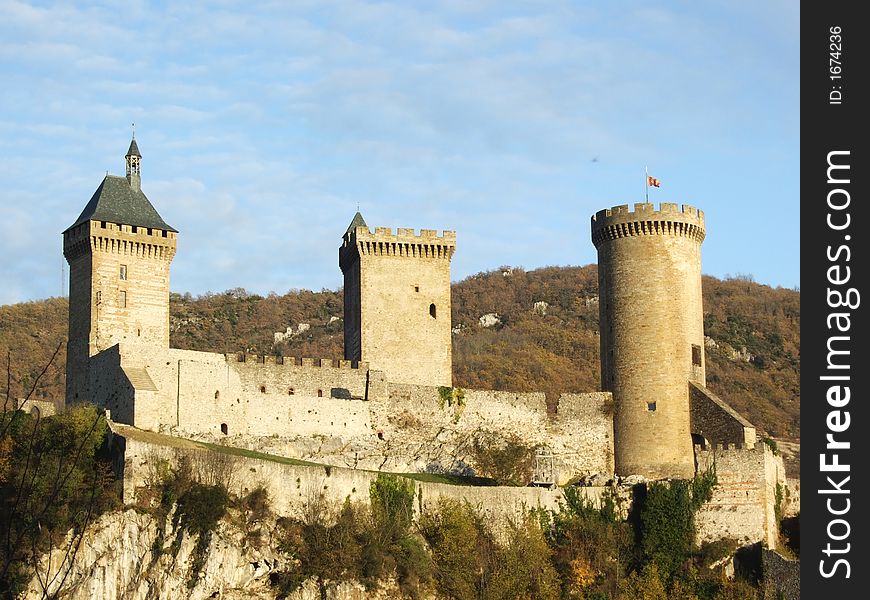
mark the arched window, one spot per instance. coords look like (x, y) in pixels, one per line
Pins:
(224, 428)
(432, 311)
(262, 389)
(320, 393)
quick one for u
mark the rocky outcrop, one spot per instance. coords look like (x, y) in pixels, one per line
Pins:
(123, 555)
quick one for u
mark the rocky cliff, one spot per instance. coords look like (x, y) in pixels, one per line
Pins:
(135, 556)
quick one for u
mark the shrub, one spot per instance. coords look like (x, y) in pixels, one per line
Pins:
(392, 501)
(507, 460)
(461, 550)
(592, 548)
(523, 568)
(667, 520)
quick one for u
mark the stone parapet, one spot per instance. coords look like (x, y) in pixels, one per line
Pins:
(671, 219)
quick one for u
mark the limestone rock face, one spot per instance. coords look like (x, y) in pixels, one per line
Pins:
(489, 320)
(116, 559)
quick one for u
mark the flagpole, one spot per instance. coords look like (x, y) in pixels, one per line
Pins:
(646, 184)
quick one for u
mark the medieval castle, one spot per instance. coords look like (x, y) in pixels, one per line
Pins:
(388, 404)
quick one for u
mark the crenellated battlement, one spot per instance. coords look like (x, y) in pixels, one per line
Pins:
(405, 243)
(404, 234)
(295, 361)
(670, 219)
(719, 448)
(129, 240)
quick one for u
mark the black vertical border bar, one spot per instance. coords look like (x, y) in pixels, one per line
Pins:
(830, 127)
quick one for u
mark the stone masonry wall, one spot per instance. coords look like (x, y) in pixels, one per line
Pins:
(359, 420)
(781, 576)
(292, 487)
(716, 421)
(743, 504)
(422, 433)
(218, 395)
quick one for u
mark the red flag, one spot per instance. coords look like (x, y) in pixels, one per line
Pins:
(653, 182)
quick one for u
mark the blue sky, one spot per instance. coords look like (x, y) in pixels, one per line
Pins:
(263, 126)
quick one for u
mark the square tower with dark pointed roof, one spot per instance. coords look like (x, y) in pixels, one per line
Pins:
(119, 251)
(397, 301)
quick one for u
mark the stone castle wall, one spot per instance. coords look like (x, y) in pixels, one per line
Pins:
(194, 392)
(341, 414)
(398, 289)
(294, 487)
(716, 421)
(424, 433)
(744, 501)
(652, 337)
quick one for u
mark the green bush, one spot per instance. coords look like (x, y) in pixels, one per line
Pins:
(366, 546)
(392, 501)
(461, 549)
(667, 520)
(592, 548)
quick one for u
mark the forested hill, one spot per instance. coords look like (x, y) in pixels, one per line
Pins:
(513, 330)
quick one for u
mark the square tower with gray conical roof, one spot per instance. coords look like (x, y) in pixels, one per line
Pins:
(397, 301)
(119, 251)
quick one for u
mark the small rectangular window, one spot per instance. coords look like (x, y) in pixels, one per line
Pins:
(99, 297)
(651, 406)
(696, 355)
(134, 229)
(122, 299)
(123, 273)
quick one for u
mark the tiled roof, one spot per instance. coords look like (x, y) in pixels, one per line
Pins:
(115, 201)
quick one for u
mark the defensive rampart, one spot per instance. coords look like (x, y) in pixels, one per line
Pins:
(428, 429)
(292, 487)
(344, 414)
(744, 501)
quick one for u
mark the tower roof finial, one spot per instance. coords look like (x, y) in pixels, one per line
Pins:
(133, 150)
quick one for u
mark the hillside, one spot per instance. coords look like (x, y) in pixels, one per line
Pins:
(541, 334)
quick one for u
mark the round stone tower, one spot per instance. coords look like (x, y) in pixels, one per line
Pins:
(652, 332)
